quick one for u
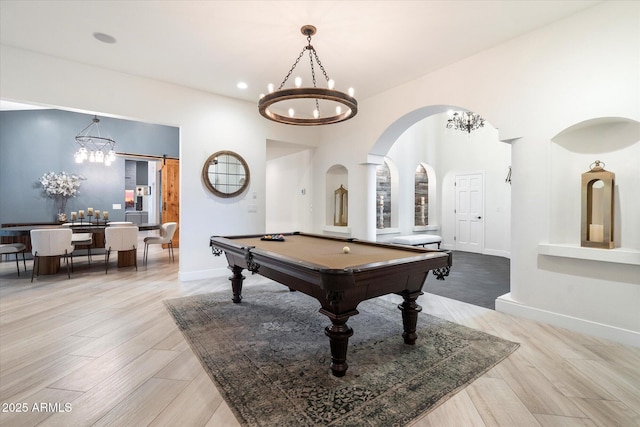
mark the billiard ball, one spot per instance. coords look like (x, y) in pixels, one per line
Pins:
(346, 249)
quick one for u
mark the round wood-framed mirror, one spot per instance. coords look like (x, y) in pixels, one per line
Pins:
(226, 174)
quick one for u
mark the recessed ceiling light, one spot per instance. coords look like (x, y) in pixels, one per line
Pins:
(104, 38)
(242, 85)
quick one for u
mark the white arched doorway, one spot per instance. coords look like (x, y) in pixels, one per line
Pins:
(421, 137)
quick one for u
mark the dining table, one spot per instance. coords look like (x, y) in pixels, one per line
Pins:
(88, 235)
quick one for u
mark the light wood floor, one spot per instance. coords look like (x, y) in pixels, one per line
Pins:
(105, 346)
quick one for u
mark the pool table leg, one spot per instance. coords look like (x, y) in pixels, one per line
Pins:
(410, 310)
(236, 283)
(338, 334)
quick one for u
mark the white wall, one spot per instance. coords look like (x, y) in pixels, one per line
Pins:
(478, 152)
(289, 193)
(530, 89)
(413, 147)
(452, 152)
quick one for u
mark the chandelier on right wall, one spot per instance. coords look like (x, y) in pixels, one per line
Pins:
(464, 120)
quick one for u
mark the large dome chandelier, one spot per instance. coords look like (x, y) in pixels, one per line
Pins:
(465, 121)
(336, 106)
(94, 147)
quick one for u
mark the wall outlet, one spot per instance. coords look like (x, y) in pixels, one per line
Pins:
(116, 206)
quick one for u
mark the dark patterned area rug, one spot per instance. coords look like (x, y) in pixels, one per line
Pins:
(269, 358)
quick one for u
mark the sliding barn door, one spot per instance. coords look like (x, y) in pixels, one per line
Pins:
(170, 181)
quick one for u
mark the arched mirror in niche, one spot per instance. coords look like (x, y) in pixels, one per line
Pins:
(421, 192)
(226, 174)
(383, 196)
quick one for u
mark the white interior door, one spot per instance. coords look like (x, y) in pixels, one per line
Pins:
(469, 212)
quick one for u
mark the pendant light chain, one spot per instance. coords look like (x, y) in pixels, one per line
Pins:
(312, 54)
(292, 68)
(313, 71)
(320, 64)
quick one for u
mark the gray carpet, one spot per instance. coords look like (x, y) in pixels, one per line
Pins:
(474, 278)
(269, 358)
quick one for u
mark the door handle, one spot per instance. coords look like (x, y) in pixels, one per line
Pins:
(479, 217)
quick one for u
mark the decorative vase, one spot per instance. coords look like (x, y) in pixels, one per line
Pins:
(62, 217)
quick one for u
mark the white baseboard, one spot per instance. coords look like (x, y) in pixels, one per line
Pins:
(342, 231)
(497, 252)
(202, 274)
(505, 304)
(494, 252)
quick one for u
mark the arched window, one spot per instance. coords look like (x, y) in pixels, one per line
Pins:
(421, 215)
(383, 196)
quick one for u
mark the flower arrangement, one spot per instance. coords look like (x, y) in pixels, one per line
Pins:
(60, 187)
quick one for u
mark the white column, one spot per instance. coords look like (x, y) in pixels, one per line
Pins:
(371, 209)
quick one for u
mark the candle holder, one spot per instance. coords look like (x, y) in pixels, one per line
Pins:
(340, 208)
(90, 214)
(598, 188)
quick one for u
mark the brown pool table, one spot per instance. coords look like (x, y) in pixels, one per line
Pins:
(317, 266)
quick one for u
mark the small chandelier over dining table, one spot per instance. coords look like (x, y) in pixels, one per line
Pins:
(336, 106)
(464, 120)
(94, 146)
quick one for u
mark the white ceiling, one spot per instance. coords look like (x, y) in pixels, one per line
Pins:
(212, 45)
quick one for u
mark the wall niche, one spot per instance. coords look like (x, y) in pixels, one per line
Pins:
(336, 177)
(616, 142)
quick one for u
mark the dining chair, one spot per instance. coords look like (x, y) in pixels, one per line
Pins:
(120, 238)
(14, 248)
(167, 231)
(84, 240)
(51, 242)
(80, 239)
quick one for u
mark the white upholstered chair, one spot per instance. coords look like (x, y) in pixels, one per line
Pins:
(167, 231)
(83, 240)
(14, 248)
(80, 238)
(120, 238)
(51, 242)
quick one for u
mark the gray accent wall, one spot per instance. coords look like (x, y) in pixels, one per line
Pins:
(37, 141)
